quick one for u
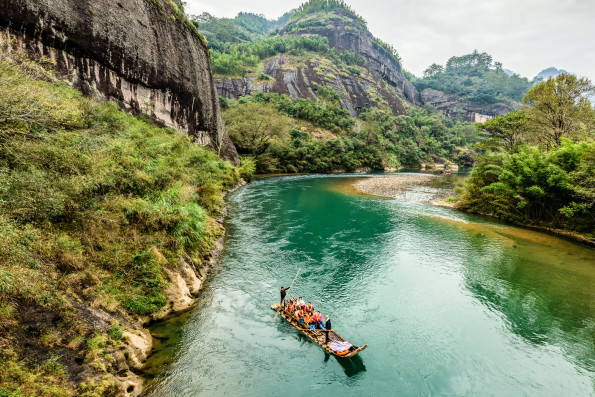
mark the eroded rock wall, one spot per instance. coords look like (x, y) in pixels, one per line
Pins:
(383, 77)
(451, 105)
(346, 36)
(356, 92)
(139, 52)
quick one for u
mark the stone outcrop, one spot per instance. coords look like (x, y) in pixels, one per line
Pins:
(349, 34)
(142, 53)
(381, 80)
(451, 105)
(356, 92)
(138, 348)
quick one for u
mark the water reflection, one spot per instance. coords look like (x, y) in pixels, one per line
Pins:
(542, 285)
(352, 366)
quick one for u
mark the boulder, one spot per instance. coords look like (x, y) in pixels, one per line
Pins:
(177, 293)
(138, 346)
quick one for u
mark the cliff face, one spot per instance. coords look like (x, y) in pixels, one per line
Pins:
(381, 80)
(451, 105)
(142, 53)
(356, 92)
(344, 32)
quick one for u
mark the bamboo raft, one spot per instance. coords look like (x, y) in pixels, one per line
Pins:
(318, 336)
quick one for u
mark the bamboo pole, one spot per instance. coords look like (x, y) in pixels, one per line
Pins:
(281, 304)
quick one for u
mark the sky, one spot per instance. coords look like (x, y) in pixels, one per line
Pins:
(527, 36)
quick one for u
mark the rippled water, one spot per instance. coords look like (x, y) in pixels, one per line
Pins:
(449, 303)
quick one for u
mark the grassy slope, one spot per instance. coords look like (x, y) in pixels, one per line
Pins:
(94, 204)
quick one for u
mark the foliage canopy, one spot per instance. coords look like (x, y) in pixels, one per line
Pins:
(560, 107)
(474, 77)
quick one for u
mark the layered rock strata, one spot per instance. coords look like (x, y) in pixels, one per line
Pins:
(356, 92)
(347, 33)
(453, 106)
(381, 81)
(142, 53)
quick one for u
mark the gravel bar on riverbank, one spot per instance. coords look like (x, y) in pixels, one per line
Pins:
(405, 187)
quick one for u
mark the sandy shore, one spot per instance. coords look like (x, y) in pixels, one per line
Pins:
(405, 187)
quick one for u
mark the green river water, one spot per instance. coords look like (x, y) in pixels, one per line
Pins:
(449, 303)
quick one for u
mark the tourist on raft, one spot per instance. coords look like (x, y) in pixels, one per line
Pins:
(305, 314)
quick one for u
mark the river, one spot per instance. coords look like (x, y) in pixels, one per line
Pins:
(449, 303)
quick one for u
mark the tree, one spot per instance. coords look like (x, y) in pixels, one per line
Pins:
(559, 107)
(506, 132)
(433, 70)
(498, 66)
(253, 127)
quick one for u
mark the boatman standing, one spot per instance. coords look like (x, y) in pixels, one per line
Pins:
(328, 327)
(283, 293)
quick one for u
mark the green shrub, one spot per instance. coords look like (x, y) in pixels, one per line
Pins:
(236, 59)
(354, 71)
(115, 332)
(553, 187)
(266, 77)
(248, 168)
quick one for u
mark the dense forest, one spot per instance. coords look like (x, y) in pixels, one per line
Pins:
(477, 78)
(245, 27)
(539, 163)
(238, 59)
(269, 130)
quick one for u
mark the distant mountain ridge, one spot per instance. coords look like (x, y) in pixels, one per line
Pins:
(550, 72)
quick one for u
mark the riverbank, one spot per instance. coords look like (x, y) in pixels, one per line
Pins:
(107, 223)
(187, 282)
(420, 188)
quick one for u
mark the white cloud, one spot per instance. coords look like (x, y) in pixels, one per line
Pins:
(527, 36)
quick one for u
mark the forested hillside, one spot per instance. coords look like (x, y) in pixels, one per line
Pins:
(315, 91)
(245, 27)
(476, 78)
(96, 209)
(539, 163)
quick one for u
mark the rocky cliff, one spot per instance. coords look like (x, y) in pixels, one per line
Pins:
(345, 32)
(143, 53)
(451, 105)
(382, 80)
(300, 81)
